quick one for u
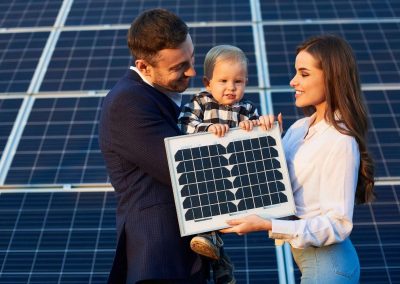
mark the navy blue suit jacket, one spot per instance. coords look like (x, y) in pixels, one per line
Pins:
(134, 121)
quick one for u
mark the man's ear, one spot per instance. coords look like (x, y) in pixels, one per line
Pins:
(206, 83)
(143, 66)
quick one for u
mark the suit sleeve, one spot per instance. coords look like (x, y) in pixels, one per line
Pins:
(138, 127)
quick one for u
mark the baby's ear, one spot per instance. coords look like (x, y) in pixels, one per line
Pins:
(206, 82)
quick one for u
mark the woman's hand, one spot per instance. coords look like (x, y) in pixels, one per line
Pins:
(251, 223)
(267, 121)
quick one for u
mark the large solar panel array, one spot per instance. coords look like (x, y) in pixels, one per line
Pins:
(59, 58)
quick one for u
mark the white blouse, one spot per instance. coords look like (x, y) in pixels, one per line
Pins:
(323, 167)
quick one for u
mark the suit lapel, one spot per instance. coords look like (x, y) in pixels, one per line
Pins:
(166, 105)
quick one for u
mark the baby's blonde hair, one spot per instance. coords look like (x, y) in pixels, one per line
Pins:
(223, 52)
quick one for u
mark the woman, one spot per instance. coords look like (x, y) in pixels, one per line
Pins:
(328, 162)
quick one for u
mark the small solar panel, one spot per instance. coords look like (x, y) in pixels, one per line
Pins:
(215, 179)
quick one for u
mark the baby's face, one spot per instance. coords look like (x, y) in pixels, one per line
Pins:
(228, 82)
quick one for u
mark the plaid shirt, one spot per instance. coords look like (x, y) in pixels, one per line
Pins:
(203, 110)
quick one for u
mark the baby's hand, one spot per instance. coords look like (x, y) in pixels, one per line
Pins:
(218, 129)
(248, 124)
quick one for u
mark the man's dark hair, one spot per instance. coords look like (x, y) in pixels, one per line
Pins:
(154, 30)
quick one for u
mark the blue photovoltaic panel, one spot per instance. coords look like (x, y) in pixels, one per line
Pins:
(329, 9)
(375, 236)
(376, 47)
(59, 144)
(384, 123)
(384, 135)
(103, 12)
(95, 60)
(8, 112)
(19, 56)
(57, 237)
(87, 60)
(70, 237)
(28, 13)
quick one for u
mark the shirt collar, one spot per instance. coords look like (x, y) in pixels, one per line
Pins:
(319, 127)
(175, 97)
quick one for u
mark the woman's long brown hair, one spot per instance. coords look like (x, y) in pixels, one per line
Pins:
(343, 95)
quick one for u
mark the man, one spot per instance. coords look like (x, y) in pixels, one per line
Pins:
(138, 113)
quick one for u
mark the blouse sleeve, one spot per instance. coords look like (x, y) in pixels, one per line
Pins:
(338, 183)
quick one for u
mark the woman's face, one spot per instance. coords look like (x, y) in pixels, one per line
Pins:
(308, 82)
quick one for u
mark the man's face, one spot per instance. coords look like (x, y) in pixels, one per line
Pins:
(173, 68)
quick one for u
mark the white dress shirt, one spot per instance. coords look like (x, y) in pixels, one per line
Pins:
(323, 167)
